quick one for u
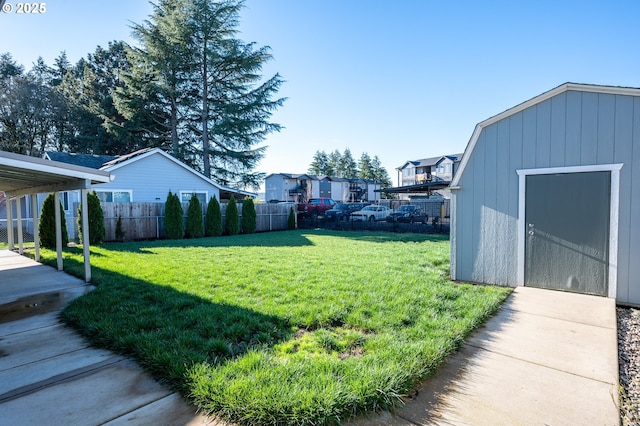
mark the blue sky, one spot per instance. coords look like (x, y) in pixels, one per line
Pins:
(401, 79)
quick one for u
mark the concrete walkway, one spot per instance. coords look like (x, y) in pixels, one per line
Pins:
(547, 358)
(50, 375)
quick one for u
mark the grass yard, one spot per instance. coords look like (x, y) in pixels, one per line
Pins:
(296, 327)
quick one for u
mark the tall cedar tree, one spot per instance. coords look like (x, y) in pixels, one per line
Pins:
(249, 216)
(205, 86)
(213, 226)
(173, 218)
(232, 225)
(195, 228)
(96, 219)
(47, 225)
(291, 220)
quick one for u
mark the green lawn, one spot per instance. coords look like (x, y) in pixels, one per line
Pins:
(296, 327)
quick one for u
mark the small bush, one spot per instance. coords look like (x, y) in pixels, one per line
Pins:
(47, 225)
(213, 226)
(291, 220)
(249, 217)
(173, 221)
(120, 234)
(194, 218)
(232, 217)
(96, 219)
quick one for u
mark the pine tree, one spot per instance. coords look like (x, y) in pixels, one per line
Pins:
(291, 220)
(348, 166)
(120, 233)
(96, 219)
(232, 224)
(320, 164)
(214, 219)
(47, 225)
(249, 217)
(194, 218)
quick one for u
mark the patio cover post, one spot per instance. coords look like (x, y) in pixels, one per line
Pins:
(9, 223)
(36, 226)
(85, 234)
(56, 207)
(19, 223)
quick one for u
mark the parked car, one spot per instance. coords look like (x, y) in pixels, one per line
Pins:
(371, 213)
(408, 214)
(315, 207)
(342, 211)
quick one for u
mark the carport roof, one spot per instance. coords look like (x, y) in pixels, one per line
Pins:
(21, 174)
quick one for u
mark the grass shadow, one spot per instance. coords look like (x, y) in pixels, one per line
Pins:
(276, 239)
(167, 331)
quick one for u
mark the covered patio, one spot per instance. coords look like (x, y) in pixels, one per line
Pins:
(22, 176)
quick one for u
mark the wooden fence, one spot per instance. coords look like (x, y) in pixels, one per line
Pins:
(143, 221)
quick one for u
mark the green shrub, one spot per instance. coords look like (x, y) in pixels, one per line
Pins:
(213, 226)
(232, 217)
(120, 234)
(195, 228)
(173, 218)
(291, 220)
(249, 217)
(47, 225)
(96, 219)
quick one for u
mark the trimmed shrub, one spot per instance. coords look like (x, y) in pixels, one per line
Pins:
(232, 217)
(291, 220)
(47, 225)
(173, 218)
(96, 219)
(195, 229)
(120, 234)
(213, 227)
(249, 217)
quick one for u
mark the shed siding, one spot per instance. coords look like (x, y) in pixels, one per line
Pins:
(152, 177)
(573, 128)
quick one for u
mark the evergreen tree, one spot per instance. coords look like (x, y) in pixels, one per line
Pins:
(291, 220)
(214, 219)
(249, 218)
(320, 164)
(366, 167)
(96, 219)
(204, 87)
(120, 233)
(348, 166)
(232, 224)
(195, 228)
(173, 218)
(333, 164)
(47, 224)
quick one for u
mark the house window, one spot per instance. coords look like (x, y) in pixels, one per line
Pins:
(64, 199)
(115, 196)
(447, 168)
(410, 171)
(185, 196)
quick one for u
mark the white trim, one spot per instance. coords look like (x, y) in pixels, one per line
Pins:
(130, 191)
(195, 191)
(614, 214)
(453, 237)
(612, 90)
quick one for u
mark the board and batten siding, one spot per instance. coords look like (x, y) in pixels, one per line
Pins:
(572, 128)
(152, 177)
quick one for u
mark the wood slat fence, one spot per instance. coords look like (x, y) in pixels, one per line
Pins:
(142, 221)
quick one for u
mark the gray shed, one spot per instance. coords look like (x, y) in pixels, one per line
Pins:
(548, 195)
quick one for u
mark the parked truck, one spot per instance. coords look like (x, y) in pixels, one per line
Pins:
(315, 207)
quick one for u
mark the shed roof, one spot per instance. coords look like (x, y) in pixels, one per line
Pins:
(613, 90)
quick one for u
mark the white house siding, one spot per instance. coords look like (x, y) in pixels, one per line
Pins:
(572, 128)
(152, 177)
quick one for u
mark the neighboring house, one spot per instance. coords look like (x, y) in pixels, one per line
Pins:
(548, 195)
(144, 176)
(428, 177)
(300, 188)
